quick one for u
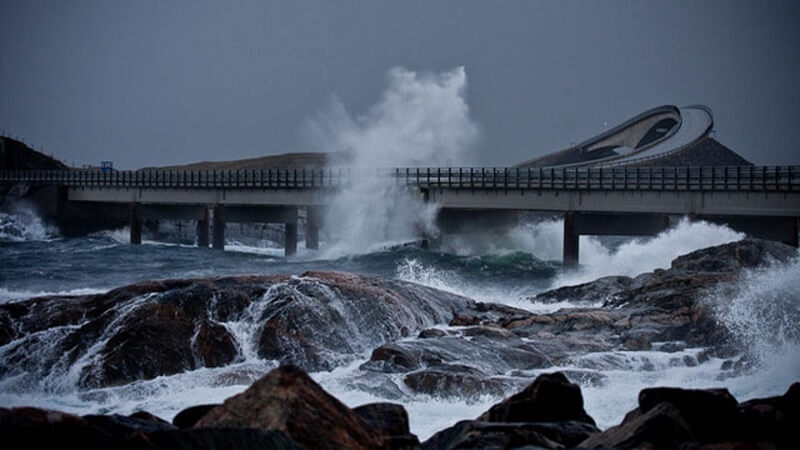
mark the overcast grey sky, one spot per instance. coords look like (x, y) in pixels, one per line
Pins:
(160, 82)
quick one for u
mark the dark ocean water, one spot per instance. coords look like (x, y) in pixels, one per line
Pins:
(103, 261)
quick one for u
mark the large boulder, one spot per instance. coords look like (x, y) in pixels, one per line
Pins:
(772, 419)
(476, 434)
(547, 414)
(711, 414)
(692, 418)
(660, 427)
(38, 428)
(288, 400)
(391, 422)
(550, 398)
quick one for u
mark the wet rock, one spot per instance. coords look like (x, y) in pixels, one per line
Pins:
(490, 356)
(392, 358)
(660, 306)
(155, 341)
(772, 419)
(600, 290)
(214, 345)
(320, 321)
(660, 427)
(672, 347)
(303, 327)
(454, 380)
(489, 332)
(586, 377)
(212, 439)
(40, 428)
(189, 416)
(733, 256)
(123, 426)
(476, 434)
(550, 398)
(488, 313)
(431, 333)
(391, 422)
(709, 413)
(289, 401)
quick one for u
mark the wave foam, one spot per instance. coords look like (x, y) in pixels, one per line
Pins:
(24, 225)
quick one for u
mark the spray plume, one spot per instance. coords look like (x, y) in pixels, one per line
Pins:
(422, 119)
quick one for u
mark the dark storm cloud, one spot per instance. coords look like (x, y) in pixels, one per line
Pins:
(152, 82)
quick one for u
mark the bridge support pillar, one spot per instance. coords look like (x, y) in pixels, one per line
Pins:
(218, 239)
(290, 239)
(135, 224)
(202, 230)
(425, 241)
(312, 227)
(571, 240)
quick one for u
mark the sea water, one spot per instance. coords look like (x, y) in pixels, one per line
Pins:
(36, 261)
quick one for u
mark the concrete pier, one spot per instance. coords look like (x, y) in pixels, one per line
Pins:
(135, 224)
(290, 239)
(218, 238)
(202, 231)
(313, 220)
(571, 240)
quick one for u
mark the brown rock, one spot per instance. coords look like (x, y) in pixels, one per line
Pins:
(391, 422)
(711, 414)
(454, 380)
(189, 416)
(288, 400)
(660, 427)
(40, 428)
(550, 398)
(469, 434)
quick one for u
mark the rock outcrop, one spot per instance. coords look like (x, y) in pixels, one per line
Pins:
(665, 309)
(289, 401)
(286, 409)
(317, 321)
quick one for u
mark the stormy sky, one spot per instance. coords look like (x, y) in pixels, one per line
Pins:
(163, 82)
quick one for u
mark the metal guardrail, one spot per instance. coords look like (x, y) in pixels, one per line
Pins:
(724, 178)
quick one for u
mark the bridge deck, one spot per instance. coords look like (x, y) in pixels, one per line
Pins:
(738, 190)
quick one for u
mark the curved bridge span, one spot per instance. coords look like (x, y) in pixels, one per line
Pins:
(653, 134)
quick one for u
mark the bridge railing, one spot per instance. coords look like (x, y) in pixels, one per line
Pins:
(724, 178)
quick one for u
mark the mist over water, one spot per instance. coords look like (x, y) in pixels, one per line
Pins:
(422, 119)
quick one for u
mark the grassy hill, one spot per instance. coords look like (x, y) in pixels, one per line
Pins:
(283, 161)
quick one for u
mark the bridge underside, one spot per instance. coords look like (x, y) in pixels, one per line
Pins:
(755, 206)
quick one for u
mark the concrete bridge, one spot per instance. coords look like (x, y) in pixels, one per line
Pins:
(761, 201)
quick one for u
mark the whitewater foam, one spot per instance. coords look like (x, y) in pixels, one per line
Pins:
(23, 224)
(10, 295)
(421, 119)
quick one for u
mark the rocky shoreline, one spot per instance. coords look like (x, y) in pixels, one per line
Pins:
(286, 409)
(420, 341)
